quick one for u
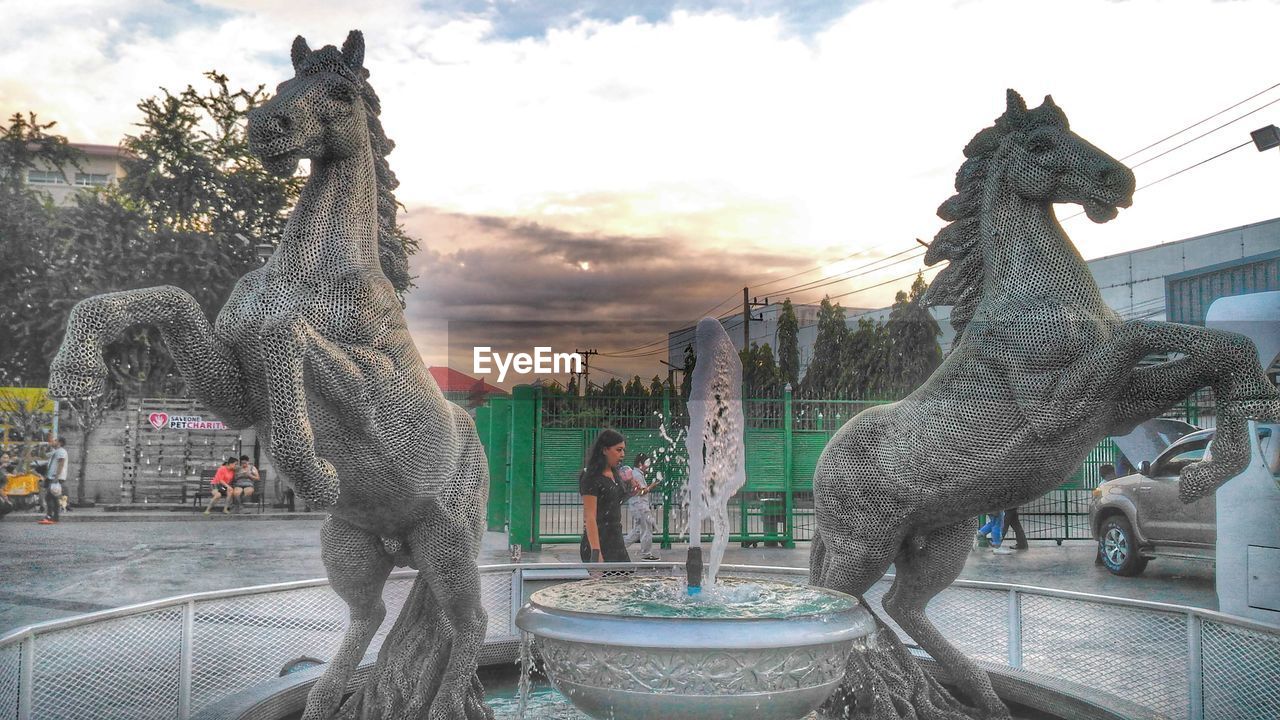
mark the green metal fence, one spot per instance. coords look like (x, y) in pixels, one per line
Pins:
(536, 441)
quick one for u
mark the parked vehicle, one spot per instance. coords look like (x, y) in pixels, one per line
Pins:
(1139, 517)
(21, 492)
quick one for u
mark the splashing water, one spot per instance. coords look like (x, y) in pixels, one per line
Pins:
(716, 450)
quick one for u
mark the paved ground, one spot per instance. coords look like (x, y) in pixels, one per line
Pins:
(95, 560)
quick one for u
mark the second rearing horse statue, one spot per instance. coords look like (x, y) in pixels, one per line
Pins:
(1041, 371)
(313, 351)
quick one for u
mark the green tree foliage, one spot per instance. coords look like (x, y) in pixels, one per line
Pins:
(864, 361)
(761, 377)
(686, 380)
(635, 388)
(912, 335)
(872, 360)
(29, 234)
(823, 378)
(189, 211)
(789, 345)
(655, 386)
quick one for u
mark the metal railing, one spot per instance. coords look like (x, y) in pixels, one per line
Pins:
(171, 658)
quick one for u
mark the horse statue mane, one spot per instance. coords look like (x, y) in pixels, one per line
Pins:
(312, 349)
(349, 64)
(1041, 371)
(960, 283)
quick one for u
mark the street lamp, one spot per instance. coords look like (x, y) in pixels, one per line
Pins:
(1265, 138)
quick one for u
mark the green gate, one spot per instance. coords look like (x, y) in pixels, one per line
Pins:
(536, 442)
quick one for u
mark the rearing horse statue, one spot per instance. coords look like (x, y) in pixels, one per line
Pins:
(313, 351)
(1041, 371)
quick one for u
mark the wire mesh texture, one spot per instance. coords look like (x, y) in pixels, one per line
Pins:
(129, 664)
(1241, 671)
(10, 669)
(237, 641)
(1086, 643)
(125, 668)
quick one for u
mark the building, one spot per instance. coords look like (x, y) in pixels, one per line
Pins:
(462, 389)
(99, 166)
(1175, 281)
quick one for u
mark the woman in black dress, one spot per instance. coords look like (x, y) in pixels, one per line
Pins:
(603, 493)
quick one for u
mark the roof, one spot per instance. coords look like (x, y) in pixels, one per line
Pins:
(91, 149)
(451, 380)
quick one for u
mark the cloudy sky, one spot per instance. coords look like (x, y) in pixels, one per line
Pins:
(624, 166)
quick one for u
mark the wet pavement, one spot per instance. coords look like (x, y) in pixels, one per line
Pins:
(95, 560)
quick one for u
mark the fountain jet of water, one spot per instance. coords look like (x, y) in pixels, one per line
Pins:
(716, 451)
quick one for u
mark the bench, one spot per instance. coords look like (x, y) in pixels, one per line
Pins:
(204, 489)
(160, 491)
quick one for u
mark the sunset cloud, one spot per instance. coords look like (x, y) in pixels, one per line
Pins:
(612, 161)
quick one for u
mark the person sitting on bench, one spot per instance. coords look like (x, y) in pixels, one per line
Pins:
(220, 486)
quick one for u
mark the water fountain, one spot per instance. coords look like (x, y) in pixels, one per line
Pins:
(646, 647)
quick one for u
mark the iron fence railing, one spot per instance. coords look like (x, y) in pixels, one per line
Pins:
(172, 658)
(535, 442)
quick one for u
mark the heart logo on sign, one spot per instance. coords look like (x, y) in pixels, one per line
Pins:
(159, 420)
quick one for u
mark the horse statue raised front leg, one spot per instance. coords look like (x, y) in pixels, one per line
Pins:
(1042, 370)
(313, 351)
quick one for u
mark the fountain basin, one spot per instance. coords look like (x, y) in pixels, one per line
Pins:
(772, 654)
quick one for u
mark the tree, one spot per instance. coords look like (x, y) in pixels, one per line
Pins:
(912, 333)
(655, 386)
(635, 388)
(189, 211)
(789, 345)
(29, 413)
(822, 380)
(760, 375)
(613, 388)
(28, 235)
(88, 414)
(864, 361)
(690, 361)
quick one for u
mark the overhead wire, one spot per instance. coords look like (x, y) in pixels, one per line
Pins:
(1200, 122)
(859, 271)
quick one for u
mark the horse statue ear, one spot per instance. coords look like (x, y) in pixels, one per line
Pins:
(1014, 104)
(299, 52)
(353, 50)
(1048, 102)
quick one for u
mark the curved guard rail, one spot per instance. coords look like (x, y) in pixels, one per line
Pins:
(171, 658)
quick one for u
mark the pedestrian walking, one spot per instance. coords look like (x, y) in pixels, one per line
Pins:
(55, 476)
(641, 507)
(220, 486)
(994, 529)
(1012, 522)
(603, 492)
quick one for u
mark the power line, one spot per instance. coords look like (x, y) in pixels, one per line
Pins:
(864, 251)
(1201, 122)
(855, 272)
(869, 271)
(1205, 133)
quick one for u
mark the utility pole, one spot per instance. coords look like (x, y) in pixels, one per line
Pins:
(671, 373)
(586, 369)
(747, 304)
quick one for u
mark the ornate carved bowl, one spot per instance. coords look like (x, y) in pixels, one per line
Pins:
(772, 664)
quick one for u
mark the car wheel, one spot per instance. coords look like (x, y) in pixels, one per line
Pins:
(1118, 548)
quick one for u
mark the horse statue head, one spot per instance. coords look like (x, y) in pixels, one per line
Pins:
(1028, 158)
(328, 113)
